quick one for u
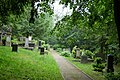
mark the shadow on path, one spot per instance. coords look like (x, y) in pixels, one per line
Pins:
(68, 71)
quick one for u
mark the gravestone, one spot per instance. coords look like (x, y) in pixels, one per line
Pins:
(8, 39)
(30, 38)
(110, 63)
(39, 44)
(77, 52)
(84, 59)
(26, 42)
(14, 47)
(42, 50)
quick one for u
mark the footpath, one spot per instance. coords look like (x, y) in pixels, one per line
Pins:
(68, 71)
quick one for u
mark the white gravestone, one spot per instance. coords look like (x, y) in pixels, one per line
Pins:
(26, 42)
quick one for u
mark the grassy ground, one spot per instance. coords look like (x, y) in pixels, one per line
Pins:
(88, 69)
(27, 65)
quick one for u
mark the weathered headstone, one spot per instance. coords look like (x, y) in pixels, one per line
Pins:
(26, 43)
(110, 63)
(77, 52)
(8, 39)
(84, 59)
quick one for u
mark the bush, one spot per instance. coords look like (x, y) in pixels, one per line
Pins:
(98, 65)
(56, 46)
(112, 76)
(59, 50)
(89, 54)
(65, 53)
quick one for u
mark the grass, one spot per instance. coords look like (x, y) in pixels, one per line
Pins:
(88, 69)
(27, 65)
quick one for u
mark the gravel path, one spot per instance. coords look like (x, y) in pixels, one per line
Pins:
(68, 71)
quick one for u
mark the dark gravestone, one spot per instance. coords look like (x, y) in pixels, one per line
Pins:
(39, 44)
(110, 63)
(4, 42)
(42, 51)
(84, 59)
(14, 47)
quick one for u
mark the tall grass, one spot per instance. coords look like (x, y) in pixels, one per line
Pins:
(27, 65)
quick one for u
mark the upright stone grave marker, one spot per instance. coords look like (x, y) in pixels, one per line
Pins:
(77, 52)
(26, 42)
(8, 39)
(39, 44)
(110, 63)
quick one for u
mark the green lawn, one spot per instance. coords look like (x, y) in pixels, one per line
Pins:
(27, 65)
(87, 68)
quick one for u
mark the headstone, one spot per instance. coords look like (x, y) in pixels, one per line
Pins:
(30, 38)
(39, 44)
(26, 42)
(14, 47)
(77, 52)
(84, 59)
(8, 40)
(110, 63)
(42, 51)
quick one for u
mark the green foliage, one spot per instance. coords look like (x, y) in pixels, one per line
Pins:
(98, 66)
(89, 53)
(15, 41)
(59, 49)
(65, 53)
(112, 76)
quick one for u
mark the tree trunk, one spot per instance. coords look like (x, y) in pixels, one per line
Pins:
(117, 17)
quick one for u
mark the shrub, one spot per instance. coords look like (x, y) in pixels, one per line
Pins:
(56, 46)
(59, 50)
(89, 53)
(65, 53)
(112, 76)
(98, 65)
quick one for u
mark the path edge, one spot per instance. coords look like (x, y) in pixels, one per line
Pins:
(78, 68)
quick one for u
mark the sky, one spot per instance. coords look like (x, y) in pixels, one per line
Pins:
(60, 10)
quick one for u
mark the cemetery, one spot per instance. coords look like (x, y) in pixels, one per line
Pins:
(59, 40)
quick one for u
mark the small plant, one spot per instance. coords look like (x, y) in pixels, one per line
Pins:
(15, 41)
(112, 76)
(56, 46)
(98, 66)
(89, 54)
(65, 53)
(59, 50)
